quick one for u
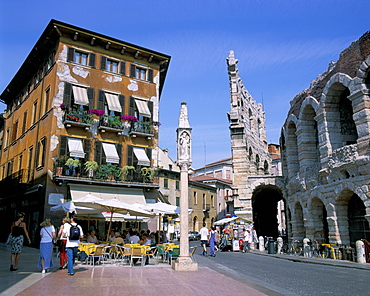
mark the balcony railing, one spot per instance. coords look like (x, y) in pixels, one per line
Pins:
(107, 172)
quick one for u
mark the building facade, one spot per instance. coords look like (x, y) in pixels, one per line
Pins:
(82, 117)
(219, 175)
(256, 191)
(326, 154)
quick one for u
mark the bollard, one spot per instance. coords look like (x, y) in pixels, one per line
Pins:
(261, 243)
(360, 250)
(279, 245)
(306, 248)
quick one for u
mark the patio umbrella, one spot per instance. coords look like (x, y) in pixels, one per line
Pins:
(114, 206)
(68, 206)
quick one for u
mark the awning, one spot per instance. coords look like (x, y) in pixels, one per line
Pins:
(141, 156)
(143, 108)
(128, 195)
(80, 95)
(111, 154)
(113, 102)
(75, 148)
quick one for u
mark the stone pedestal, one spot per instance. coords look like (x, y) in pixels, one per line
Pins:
(184, 264)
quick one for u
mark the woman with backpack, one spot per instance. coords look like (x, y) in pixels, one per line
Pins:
(47, 234)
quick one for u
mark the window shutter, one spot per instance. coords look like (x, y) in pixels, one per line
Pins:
(122, 68)
(119, 152)
(86, 146)
(98, 152)
(131, 111)
(121, 99)
(67, 97)
(63, 146)
(92, 58)
(130, 151)
(150, 106)
(43, 151)
(150, 75)
(101, 99)
(103, 62)
(149, 154)
(70, 54)
(90, 95)
(132, 70)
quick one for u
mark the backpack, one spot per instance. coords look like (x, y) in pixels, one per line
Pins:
(74, 232)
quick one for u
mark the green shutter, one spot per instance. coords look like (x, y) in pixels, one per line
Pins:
(132, 70)
(131, 110)
(70, 54)
(130, 151)
(90, 95)
(150, 106)
(67, 97)
(101, 99)
(98, 152)
(150, 75)
(121, 99)
(92, 58)
(63, 146)
(87, 148)
(122, 68)
(103, 62)
(149, 154)
(119, 152)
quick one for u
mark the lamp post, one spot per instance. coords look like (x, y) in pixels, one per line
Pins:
(184, 262)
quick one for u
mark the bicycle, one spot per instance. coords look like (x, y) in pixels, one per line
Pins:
(295, 248)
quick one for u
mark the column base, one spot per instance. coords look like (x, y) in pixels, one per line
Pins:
(184, 264)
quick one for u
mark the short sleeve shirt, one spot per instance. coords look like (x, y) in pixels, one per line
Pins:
(47, 234)
(66, 229)
(203, 233)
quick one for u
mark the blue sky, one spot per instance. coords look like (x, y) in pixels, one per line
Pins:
(281, 46)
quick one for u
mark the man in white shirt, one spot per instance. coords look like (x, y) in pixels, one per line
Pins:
(204, 238)
(72, 245)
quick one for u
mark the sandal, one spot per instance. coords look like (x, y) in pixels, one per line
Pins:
(71, 273)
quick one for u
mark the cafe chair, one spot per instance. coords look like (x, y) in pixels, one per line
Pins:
(175, 253)
(153, 254)
(191, 254)
(123, 253)
(138, 253)
(97, 254)
(161, 253)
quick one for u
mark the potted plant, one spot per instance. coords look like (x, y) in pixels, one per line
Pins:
(109, 172)
(59, 163)
(91, 167)
(72, 164)
(147, 173)
(115, 121)
(126, 170)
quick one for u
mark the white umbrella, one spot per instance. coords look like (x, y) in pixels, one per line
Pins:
(68, 206)
(113, 206)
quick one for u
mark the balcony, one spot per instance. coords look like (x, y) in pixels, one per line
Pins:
(110, 173)
(141, 129)
(206, 207)
(77, 118)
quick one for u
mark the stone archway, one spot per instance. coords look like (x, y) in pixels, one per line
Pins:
(298, 230)
(317, 227)
(357, 223)
(265, 201)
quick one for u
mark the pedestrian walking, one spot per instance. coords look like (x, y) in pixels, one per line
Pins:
(212, 241)
(17, 231)
(247, 240)
(63, 259)
(70, 230)
(204, 238)
(47, 234)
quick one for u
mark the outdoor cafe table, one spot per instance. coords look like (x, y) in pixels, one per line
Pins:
(169, 246)
(146, 247)
(87, 247)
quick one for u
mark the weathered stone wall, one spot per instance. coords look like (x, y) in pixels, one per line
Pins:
(325, 145)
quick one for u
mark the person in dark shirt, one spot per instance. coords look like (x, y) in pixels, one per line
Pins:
(17, 231)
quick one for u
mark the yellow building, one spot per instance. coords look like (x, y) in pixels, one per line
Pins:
(79, 98)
